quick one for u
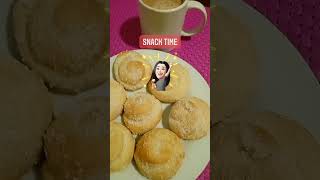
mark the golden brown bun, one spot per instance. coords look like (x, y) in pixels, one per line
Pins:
(264, 146)
(189, 118)
(117, 98)
(26, 110)
(142, 112)
(76, 141)
(63, 41)
(131, 70)
(177, 88)
(236, 68)
(159, 154)
(121, 147)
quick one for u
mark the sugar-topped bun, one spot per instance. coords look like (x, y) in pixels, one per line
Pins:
(177, 88)
(76, 141)
(264, 146)
(63, 41)
(132, 70)
(117, 98)
(189, 118)
(26, 110)
(142, 112)
(159, 154)
(121, 147)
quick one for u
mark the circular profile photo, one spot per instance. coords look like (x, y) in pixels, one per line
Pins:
(161, 75)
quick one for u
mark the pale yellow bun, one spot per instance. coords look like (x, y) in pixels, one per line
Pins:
(117, 98)
(142, 112)
(264, 146)
(76, 141)
(63, 41)
(121, 147)
(132, 70)
(159, 154)
(177, 88)
(26, 110)
(189, 118)
(235, 69)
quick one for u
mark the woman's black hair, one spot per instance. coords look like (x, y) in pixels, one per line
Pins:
(166, 79)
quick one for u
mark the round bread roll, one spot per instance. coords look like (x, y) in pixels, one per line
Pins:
(26, 110)
(121, 147)
(159, 154)
(63, 41)
(76, 141)
(189, 118)
(142, 112)
(177, 88)
(118, 97)
(236, 69)
(131, 70)
(264, 146)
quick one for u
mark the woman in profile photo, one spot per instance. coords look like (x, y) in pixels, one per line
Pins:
(161, 75)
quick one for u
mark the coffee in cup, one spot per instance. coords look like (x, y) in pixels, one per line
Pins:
(166, 17)
(163, 4)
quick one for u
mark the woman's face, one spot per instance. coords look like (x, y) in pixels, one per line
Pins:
(161, 70)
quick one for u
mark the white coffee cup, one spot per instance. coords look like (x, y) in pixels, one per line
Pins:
(169, 21)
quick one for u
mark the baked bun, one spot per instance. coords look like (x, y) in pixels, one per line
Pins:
(264, 146)
(189, 118)
(177, 88)
(76, 141)
(121, 147)
(63, 41)
(26, 110)
(142, 112)
(159, 154)
(117, 98)
(132, 70)
(236, 69)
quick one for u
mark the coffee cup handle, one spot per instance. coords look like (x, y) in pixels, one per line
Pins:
(200, 27)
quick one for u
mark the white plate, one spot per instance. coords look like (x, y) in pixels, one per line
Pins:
(197, 151)
(287, 85)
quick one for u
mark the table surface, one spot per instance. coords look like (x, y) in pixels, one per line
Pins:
(125, 31)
